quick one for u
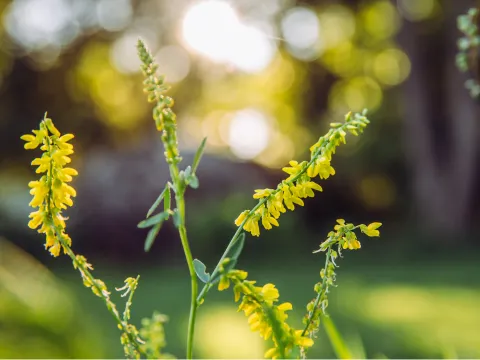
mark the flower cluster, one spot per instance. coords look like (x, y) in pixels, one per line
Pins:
(153, 333)
(264, 315)
(165, 118)
(51, 193)
(299, 184)
(343, 237)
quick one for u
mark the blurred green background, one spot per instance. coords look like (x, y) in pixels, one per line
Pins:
(262, 79)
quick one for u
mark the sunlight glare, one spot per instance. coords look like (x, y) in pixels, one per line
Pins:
(213, 29)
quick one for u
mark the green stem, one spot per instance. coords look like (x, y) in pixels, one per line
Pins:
(180, 200)
(320, 293)
(109, 304)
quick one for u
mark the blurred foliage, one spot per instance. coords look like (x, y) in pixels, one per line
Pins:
(39, 317)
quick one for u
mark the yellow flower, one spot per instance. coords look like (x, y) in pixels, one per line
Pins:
(239, 220)
(252, 225)
(371, 230)
(302, 341)
(261, 193)
(224, 283)
(321, 167)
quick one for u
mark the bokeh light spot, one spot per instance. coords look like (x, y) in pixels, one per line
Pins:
(223, 333)
(377, 192)
(337, 24)
(36, 24)
(114, 15)
(301, 30)
(173, 62)
(391, 67)
(380, 19)
(416, 10)
(355, 94)
(249, 133)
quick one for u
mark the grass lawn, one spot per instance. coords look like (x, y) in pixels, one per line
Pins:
(428, 310)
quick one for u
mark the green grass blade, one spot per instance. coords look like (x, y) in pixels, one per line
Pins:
(338, 343)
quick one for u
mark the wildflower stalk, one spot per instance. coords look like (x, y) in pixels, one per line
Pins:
(319, 164)
(343, 237)
(165, 120)
(51, 195)
(320, 293)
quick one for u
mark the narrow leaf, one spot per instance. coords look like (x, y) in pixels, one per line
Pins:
(338, 344)
(237, 248)
(157, 202)
(233, 254)
(166, 201)
(152, 234)
(198, 155)
(154, 220)
(200, 270)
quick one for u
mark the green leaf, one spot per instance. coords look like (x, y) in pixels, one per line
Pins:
(152, 234)
(154, 220)
(233, 254)
(187, 172)
(192, 181)
(157, 202)
(198, 155)
(338, 344)
(200, 270)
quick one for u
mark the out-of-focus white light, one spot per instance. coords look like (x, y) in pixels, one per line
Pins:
(209, 27)
(35, 24)
(253, 51)
(122, 56)
(249, 133)
(174, 62)
(300, 27)
(114, 15)
(213, 29)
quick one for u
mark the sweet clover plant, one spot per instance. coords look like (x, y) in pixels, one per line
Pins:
(52, 194)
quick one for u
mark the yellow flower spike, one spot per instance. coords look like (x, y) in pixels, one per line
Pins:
(50, 193)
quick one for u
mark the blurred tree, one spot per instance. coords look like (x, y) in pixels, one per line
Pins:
(441, 127)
